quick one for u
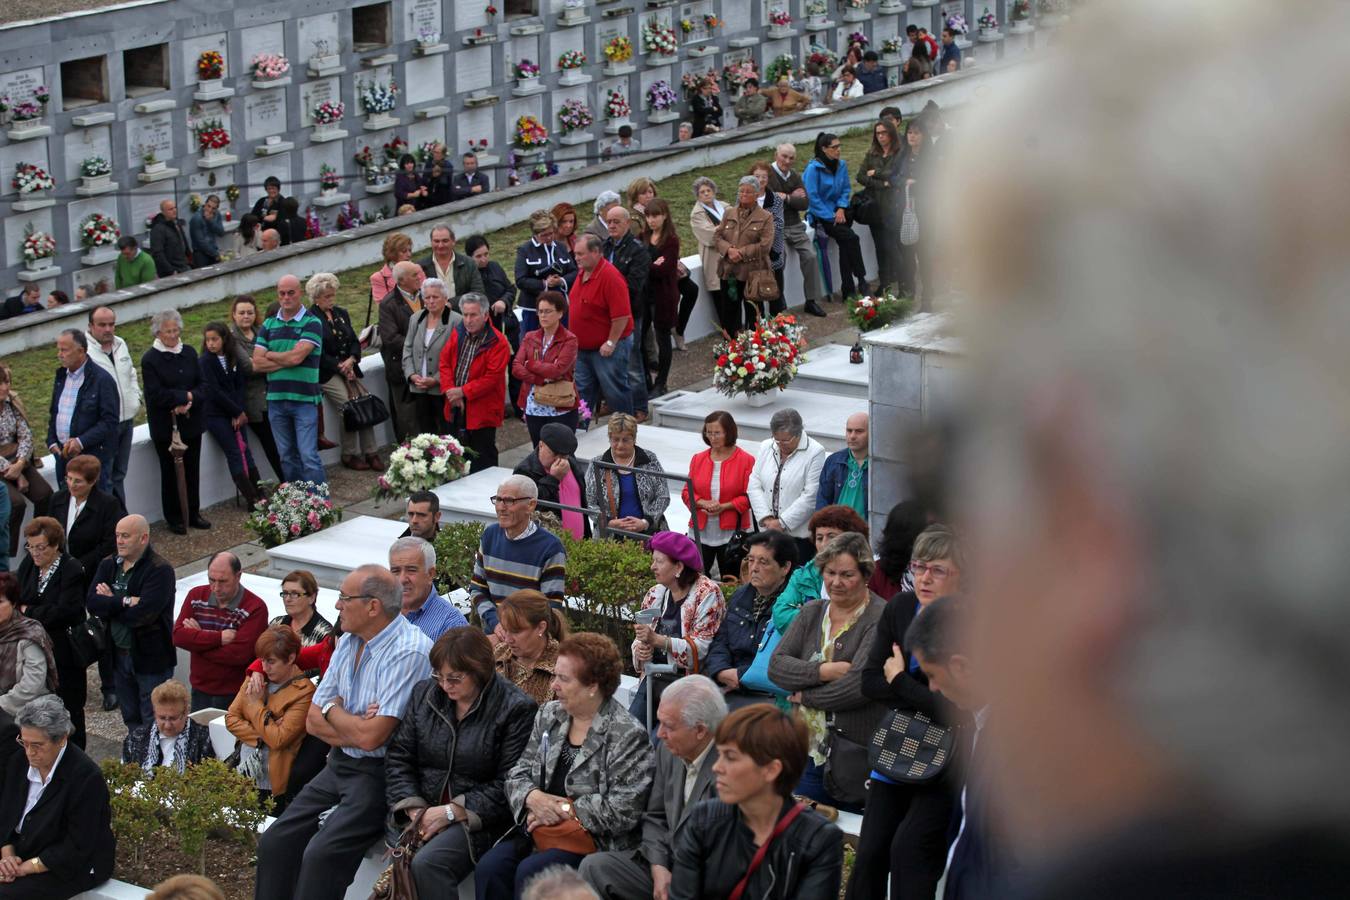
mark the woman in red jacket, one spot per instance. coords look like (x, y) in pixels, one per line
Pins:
(663, 283)
(720, 476)
(473, 380)
(547, 355)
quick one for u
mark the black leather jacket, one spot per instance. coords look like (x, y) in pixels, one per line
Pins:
(432, 757)
(714, 848)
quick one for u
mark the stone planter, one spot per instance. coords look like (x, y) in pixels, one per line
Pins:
(572, 77)
(98, 256)
(818, 20)
(657, 116)
(662, 59)
(263, 84)
(890, 59)
(573, 138)
(323, 64)
(530, 155)
(210, 85)
(781, 31)
(153, 167)
(379, 121)
(211, 154)
(855, 15)
(888, 7)
(327, 132)
(613, 69)
(1022, 26)
(990, 35)
(37, 265)
(758, 401)
(527, 86)
(612, 126)
(32, 196)
(327, 191)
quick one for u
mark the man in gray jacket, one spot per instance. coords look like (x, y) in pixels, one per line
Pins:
(691, 709)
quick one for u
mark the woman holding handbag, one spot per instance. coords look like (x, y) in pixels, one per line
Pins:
(744, 243)
(340, 369)
(755, 842)
(427, 333)
(173, 408)
(243, 326)
(688, 606)
(22, 479)
(581, 785)
(718, 502)
(223, 384)
(902, 844)
(545, 365)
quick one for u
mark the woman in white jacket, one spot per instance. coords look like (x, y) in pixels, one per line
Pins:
(785, 478)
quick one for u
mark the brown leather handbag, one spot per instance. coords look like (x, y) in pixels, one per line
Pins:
(557, 394)
(761, 286)
(569, 835)
(396, 882)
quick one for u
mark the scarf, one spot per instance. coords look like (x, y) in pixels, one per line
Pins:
(152, 750)
(21, 628)
(175, 350)
(716, 211)
(831, 165)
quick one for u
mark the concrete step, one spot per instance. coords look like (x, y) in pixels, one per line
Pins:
(331, 554)
(828, 371)
(822, 414)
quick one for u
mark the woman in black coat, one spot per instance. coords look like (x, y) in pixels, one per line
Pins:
(461, 734)
(223, 383)
(340, 370)
(70, 828)
(173, 392)
(707, 109)
(91, 534)
(51, 591)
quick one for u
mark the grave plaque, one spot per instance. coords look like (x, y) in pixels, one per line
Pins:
(41, 220)
(212, 181)
(83, 143)
(693, 13)
(21, 85)
(559, 42)
(526, 47)
(426, 79)
(475, 125)
(145, 133)
(264, 114)
(263, 39)
(312, 93)
(259, 170)
(424, 130)
(193, 48)
(318, 36)
(424, 17)
(144, 205)
(79, 210)
(316, 156)
(736, 18)
(11, 155)
(473, 69)
(949, 8)
(470, 14)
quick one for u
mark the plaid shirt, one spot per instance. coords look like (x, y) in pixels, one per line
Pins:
(65, 405)
(468, 349)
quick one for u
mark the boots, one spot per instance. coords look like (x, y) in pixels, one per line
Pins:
(248, 488)
(324, 443)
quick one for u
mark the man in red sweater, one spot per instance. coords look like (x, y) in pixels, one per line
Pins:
(219, 624)
(473, 380)
(602, 320)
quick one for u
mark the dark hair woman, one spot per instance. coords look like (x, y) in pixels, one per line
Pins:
(879, 175)
(244, 325)
(663, 282)
(827, 192)
(223, 383)
(534, 629)
(409, 185)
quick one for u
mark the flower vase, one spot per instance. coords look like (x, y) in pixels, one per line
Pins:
(891, 6)
(31, 196)
(95, 182)
(213, 153)
(527, 85)
(37, 265)
(758, 401)
(210, 85)
(816, 19)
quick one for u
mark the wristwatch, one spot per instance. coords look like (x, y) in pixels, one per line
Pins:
(327, 708)
(609, 344)
(450, 812)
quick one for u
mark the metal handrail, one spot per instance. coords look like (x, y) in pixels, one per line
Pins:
(602, 518)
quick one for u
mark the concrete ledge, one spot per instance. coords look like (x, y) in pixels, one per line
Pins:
(488, 212)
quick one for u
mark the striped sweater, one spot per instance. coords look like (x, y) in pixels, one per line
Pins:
(534, 561)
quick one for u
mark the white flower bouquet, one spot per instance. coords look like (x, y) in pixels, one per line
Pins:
(30, 178)
(293, 510)
(378, 98)
(420, 464)
(759, 359)
(98, 231)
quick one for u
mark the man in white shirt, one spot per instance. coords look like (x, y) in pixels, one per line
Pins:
(785, 480)
(110, 353)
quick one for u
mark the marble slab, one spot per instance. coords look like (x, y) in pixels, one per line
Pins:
(467, 499)
(334, 552)
(823, 414)
(828, 371)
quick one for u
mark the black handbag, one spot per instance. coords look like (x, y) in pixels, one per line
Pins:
(89, 640)
(909, 748)
(864, 209)
(362, 409)
(845, 759)
(737, 550)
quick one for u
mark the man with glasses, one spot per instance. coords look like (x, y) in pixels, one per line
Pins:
(413, 562)
(786, 479)
(787, 184)
(515, 554)
(355, 710)
(218, 625)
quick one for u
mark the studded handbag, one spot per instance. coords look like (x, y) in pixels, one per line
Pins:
(910, 748)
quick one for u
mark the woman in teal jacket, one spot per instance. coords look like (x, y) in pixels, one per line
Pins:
(827, 193)
(806, 583)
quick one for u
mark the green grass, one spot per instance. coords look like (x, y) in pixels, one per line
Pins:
(34, 370)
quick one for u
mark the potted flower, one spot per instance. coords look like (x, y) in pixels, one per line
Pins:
(571, 62)
(327, 115)
(328, 180)
(658, 40)
(759, 360)
(152, 162)
(378, 100)
(988, 26)
(95, 172)
(269, 68)
(859, 40)
(855, 10)
(28, 111)
(477, 145)
(575, 116)
(711, 21)
(37, 249)
(32, 181)
(531, 137)
(957, 23)
(293, 510)
(424, 462)
(427, 37)
(816, 11)
(210, 70)
(394, 149)
(42, 94)
(890, 52)
(780, 23)
(821, 61)
(781, 67)
(212, 138)
(1020, 17)
(324, 57)
(99, 233)
(868, 313)
(617, 109)
(618, 52)
(527, 75)
(661, 100)
(736, 75)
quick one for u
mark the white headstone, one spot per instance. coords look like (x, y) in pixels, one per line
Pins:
(33, 152)
(82, 143)
(21, 85)
(471, 14)
(424, 130)
(260, 169)
(41, 220)
(79, 210)
(318, 36)
(193, 48)
(519, 48)
(425, 79)
(263, 39)
(153, 132)
(264, 114)
(143, 204)
(475, 124)
(424, 16)
(312, 93)
(473, 69)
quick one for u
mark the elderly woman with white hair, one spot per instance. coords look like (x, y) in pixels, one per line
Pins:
(604, 202)
(340, 369)
(428, 331)
(704, 219)
(174, 400)
(56, 838)
(744, 245)
(785, 480)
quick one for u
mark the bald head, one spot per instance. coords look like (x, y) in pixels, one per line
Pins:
(409, 276)
(856, 431)
(169, 208)
(288, 295)
(133, 537)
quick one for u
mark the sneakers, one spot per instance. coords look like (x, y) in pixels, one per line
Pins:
(679, 343)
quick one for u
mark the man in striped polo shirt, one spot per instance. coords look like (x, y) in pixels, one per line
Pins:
(287, 349)
(515, 554)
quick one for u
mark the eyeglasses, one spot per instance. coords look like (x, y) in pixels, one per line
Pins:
(37, 548)
(450, 680)
(348, 598)
(292, 595)
(508, 502)
(938, 572)
(832, 147)
(31, 745)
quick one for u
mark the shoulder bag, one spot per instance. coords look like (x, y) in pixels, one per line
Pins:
(568, 835)
(362, 409)
(909, 223)
(89, 640)
(739, 890)
(756, 678)
(761, 286)
(864, 209)
(396, 882)
(558, 394)
(370, 335)
(908, 747)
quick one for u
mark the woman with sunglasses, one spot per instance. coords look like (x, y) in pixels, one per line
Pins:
(904, 830)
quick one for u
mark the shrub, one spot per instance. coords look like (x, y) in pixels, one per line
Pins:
(210, 800)
(609, 578)
(135, 808)
(456, 546)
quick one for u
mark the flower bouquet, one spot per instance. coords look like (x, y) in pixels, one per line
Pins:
(572, 59)
(692, 82)
(816, 11)
(98, 231)
(659, 39)
(687, 25)
(328, 179)
(377, 99)
(821, 61)
(328, 114)
(780, 18)
(574, 116)
(95, 171)
(526, 69)
(426, 151)
(618, 51)
(859, 40)
(661, 96)
(957, 23)
(530, 136)
(1019, 17)
(738, 73)
(212, 137)
(427, 36)
(28, 110)
(37, 248)
(420, 464)
(31, 179)
(988, 23)
(293, 510)
(269, 66)
(210, 66)
(711, 21)
(348, 216)
(42, 94)
(891, 47)
(616, 106)
(397, 146)
(781, 67)
(490, 11)
(855, 10)
(868, 313)
(313, 224)
(856, 4)
(760, 359)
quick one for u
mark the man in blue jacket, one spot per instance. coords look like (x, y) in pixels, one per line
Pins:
(86, 406)
(844, 477)
(870, 73)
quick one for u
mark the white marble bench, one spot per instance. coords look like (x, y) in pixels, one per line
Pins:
(331, 554)
(468, 499)
(828, 371)
(822, 414)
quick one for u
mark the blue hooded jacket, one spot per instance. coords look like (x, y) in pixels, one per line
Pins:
(826, 192)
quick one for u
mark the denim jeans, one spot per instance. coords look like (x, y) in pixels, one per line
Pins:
(598, 376)
(133, 690)
(637, 368)
(295, 426)
(121, 456)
